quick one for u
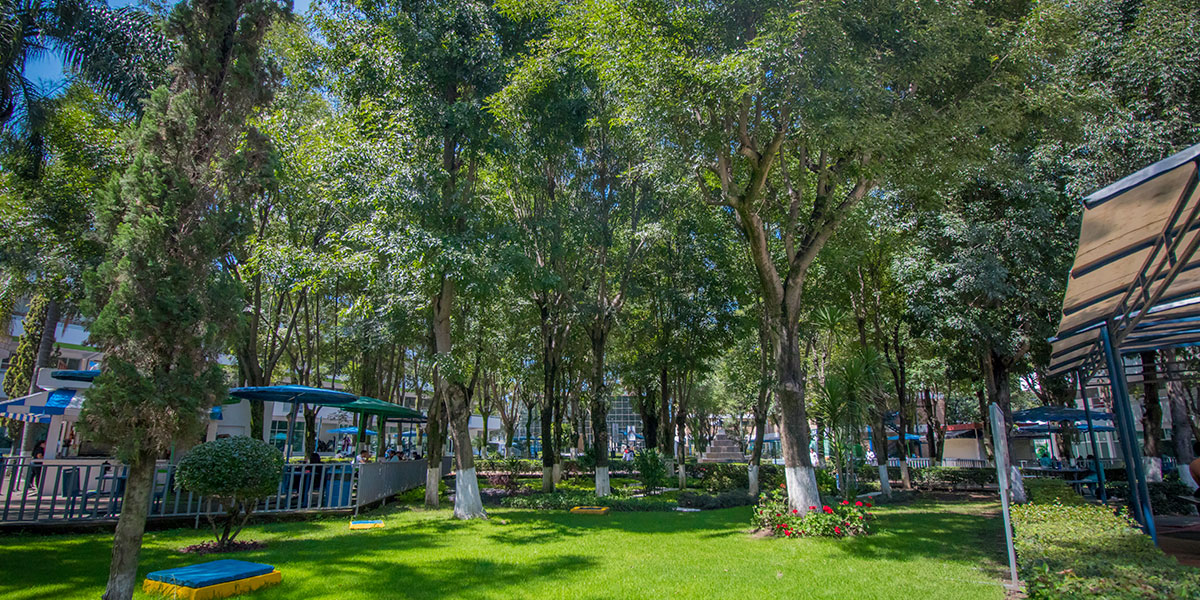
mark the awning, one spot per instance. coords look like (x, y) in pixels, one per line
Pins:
(374, 406)
(348, 431)
(39, 407)
(298, 394)
(1135, 266)
(1046, 414)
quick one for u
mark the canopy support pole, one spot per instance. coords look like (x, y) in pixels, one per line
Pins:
(1123, 414)
(1087, 412)
(287, 445)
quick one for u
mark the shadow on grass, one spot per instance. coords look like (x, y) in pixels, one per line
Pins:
(936, 532)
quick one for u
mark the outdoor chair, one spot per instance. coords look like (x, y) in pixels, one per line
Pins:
(74, 490)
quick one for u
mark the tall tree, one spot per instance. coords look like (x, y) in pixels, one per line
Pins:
(162, 306)
(788, 115)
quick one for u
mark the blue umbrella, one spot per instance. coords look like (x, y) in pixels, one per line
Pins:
(349, 430)
(1045, 414)
(907, 436)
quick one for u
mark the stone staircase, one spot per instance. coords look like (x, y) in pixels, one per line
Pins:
(722, 450)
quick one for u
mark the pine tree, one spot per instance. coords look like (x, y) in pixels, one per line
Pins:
(20, 368)
(163, 304)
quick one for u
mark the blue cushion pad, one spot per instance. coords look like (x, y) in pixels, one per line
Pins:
(210, 573)
(364, 522)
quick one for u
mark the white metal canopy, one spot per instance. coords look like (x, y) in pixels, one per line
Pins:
(1135, 269)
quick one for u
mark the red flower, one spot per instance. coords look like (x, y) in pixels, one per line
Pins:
(845, 502)
(860, 517)
(868, 505)
(795, 512)
(859, 503)
(782, 486)
(837, 530)
(827, 509)
(812, 508)
(779, 514)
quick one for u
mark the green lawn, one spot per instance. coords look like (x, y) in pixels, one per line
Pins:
(922, 551)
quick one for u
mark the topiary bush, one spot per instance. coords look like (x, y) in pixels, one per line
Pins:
(237, 472)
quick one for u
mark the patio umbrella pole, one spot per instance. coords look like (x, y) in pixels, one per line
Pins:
(1087, 411)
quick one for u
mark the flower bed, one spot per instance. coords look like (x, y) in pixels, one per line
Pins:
(842, 519)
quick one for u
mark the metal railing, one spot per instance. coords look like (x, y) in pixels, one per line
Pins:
(922, 462)
(34, 491)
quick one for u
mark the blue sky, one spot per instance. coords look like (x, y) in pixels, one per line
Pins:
(47, 70)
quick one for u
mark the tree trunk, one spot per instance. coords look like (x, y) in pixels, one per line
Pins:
(931, 424)
(467, 502)
(760, 424)
(879, 439)
(436, 434)
(666, 443)
(793, 421)
(310, 430)
(985, 425)
(1181, 425)
(648, 409)
(996, 380)
(599, 410)
(46, 344)
(548, 452)
(1151, 417)
(127, 543)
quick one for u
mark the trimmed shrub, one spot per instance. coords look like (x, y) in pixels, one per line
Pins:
(729, 499)
(568, 499)
(1086, 551)
(237, 472)
(1049, 490)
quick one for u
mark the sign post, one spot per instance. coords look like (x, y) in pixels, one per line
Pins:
(1001, 454)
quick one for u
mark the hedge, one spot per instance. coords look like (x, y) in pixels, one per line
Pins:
(1086, 551)
(1048, 490)
(567, 500)
(1164, 496)
(729, 499)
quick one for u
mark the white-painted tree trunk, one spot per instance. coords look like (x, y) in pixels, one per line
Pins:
(802, 488)
(682, 476)
(433, 480)
(602, 487)
(752, 472)
(1185, 476)
(547, 478)
(467, 502)
(1153, 468)
(557, 472)
(1017, 484)
(905, 477)
(885, 484)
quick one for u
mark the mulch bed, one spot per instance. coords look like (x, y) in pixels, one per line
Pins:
(213, 548)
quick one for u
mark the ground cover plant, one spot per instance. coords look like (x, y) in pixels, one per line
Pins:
(923, 550)
(1079, 550)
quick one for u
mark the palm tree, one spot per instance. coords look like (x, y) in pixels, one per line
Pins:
(121, 52)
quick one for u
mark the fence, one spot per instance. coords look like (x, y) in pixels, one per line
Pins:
(58, 491)
(922, 462)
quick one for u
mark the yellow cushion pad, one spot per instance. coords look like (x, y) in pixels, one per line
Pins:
(590, 510)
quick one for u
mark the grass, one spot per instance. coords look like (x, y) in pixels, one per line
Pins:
(924, 550)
